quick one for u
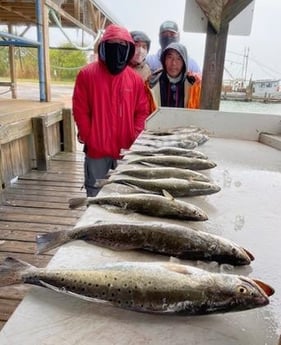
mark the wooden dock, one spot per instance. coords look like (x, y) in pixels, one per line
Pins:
(35, 203)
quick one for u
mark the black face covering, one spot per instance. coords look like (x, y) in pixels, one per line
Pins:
(166, 40)
(116, 56)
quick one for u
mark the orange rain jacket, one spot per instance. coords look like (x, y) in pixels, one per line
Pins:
(109, 110)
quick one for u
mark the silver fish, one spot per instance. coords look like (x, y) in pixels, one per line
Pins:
(186, 144)
(148, 204)
(174, 186)
(163, 172)
(177, 162)
(199, 138)
(151, 287)
(172, 151)
(158, 237)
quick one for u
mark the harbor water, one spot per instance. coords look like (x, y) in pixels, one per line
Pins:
(251, 107)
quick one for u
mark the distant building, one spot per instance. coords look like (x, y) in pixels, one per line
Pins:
(266, 87)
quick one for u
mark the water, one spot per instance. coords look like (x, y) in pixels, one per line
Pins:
(251, 107)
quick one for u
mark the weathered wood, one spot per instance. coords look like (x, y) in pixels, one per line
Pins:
(35, 227)
(40, 141)
(25, 211)
(13, 131)
(221, 12)
(213, 68)
(69, 131)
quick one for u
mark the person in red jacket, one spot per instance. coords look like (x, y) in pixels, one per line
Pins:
(110, 105)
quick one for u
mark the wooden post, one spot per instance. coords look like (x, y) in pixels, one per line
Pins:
(69, 131)
(40, 143)
(213, 68)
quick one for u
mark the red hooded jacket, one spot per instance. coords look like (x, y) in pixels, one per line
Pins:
(109, 110)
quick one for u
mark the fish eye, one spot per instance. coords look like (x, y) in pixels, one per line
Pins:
(241, 289)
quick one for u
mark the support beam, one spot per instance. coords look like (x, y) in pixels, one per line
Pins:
(213, 68)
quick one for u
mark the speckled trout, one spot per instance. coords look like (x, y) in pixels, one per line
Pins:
(176, 162)
(199, 138)
(175, 186)
(158, 237)
(151, 287)
(148, 204)
(162, 172)
(187, 144)
(171, 151)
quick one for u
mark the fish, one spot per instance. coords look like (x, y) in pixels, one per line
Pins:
(172, 151)
(188, 129)
(174, 186)
(163, 172)
(186, 144)
(175, 161)
(173, 240)
(151, 287)
(149, 204)
(199, 138)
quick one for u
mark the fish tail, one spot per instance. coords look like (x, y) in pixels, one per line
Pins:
(46, 242)
(101, 182)
(77, 202)
(11, 271)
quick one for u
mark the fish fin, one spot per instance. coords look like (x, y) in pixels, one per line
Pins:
(176, 267)
(46, 242)
(101, 182)
(167, 194)
(70, 293)
(265, 287)
(174, 260)
(77, 202)
(11, 271)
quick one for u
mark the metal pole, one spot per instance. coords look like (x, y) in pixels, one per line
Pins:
(39, 16)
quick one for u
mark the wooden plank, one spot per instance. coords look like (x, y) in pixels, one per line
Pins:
(33, 211)
(14, 131)
(17, 247)
(38, 204)
(47, 193)
(47, 185)
(11, 197)
(17, 217)
(7, 307)
(35, 227)
(40, 141)
(69, 131)
(35, 260)
(19, 235)
(16, 291)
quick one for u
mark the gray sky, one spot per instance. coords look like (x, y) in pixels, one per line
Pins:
(263, 43)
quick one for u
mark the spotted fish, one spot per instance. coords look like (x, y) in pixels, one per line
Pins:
(158, 237)
(149, 204)
(152, 287)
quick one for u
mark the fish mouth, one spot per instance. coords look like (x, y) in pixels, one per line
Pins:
(267, 289)
(249, 254)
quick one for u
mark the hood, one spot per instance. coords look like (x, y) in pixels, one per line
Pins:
(180, 48)
(114, 31)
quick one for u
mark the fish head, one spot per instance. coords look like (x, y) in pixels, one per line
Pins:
(238, 293)
(236, 255)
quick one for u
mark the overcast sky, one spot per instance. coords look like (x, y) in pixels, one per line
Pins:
(263, 42)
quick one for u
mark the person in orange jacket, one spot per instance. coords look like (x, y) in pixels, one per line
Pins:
(173, 86)
(110, 105)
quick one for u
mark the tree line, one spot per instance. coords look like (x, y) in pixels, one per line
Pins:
(64, 62)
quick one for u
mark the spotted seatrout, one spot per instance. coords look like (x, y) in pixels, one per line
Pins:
(158, 287)
(158, 237)
(172, 151)
(175, 161)
(176, 187)
(163, 172)
(148, 204)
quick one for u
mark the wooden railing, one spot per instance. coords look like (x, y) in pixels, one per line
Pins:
(29, 143)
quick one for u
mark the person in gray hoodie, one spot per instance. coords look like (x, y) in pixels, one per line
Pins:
(172, 87)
